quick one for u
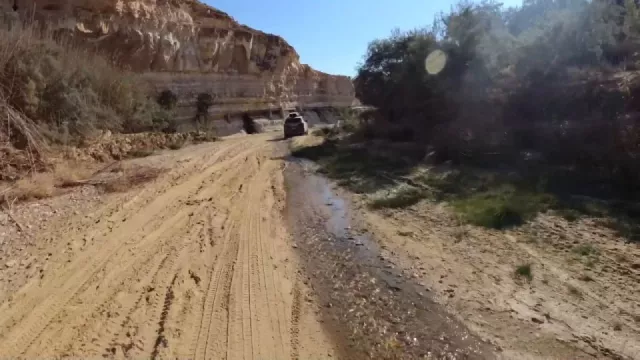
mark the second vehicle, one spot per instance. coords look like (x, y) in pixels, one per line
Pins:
(295, 125)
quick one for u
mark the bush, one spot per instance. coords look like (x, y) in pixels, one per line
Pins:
(71, 93)
(203, 102)
(37, 186)
(524, 271)
(585, 250)
(530, 79)
(501, 208)
(176, 145)
(167, 100)
(398, 198)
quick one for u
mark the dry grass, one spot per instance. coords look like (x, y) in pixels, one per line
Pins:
(38, 186)
(69, 173)
(44, 185)
(70, 91)
(54, 92)
(130, 178)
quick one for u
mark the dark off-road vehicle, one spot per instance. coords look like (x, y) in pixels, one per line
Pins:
(294, 125)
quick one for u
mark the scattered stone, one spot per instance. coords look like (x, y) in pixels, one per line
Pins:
(10, 264)
(194, 277)
(537, 320)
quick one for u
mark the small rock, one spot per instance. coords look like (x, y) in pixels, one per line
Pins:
(537, 320)
(295, 246)
(10, 264)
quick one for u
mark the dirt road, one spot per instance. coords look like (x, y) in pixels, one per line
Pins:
(238, 252)
(196, 264)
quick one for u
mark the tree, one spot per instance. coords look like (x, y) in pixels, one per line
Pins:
(203, 102)
(167, 100)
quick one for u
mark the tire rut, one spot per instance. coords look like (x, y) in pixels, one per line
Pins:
(160, 339)
(196, 264)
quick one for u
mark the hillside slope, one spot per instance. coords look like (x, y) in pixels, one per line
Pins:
(190, 48)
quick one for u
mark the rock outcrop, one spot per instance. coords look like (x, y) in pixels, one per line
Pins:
(191, 48)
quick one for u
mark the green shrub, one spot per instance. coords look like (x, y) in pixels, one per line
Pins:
(524, 271)
(326, 149)
(501, 208)
(323, 131)
(585, 250)
(398, 198)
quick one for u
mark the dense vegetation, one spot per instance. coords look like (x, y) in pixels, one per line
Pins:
(549, 85)
(534, 110)
(54, 92)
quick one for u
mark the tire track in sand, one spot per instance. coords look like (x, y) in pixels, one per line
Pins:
(195, 265)
(24, 307)
(154, 239)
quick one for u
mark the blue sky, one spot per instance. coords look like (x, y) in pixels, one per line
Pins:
(332, 35)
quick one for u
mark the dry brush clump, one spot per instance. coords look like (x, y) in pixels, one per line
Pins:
(53, 93)
(22, 147)
(130, 178)
(69, 92)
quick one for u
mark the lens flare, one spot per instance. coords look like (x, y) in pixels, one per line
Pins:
(435, 62)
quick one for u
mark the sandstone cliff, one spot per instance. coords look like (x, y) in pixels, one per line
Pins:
(191, 48)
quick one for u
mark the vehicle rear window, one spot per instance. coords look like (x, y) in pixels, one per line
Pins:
(293, 121)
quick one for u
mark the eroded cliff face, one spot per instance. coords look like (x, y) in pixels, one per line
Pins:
(191, 48)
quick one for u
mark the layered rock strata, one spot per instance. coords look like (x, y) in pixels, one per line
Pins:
(190, 48)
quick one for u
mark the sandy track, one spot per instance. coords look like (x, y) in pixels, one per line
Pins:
(197, 264)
